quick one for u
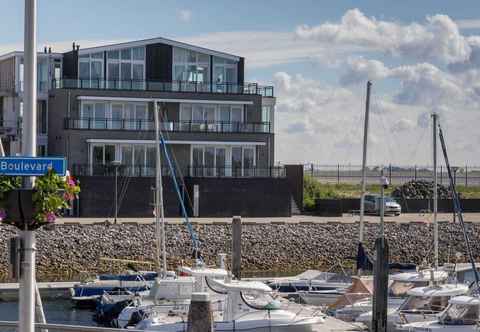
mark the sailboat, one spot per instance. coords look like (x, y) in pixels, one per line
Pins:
(462, 313)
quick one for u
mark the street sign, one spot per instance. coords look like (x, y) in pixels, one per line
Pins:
(31, 166)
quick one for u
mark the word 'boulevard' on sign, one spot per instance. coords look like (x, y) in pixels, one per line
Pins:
(31, 166)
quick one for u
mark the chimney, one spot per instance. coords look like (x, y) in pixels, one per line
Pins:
(73, 46)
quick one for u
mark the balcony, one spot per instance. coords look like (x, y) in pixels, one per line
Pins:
(169, 126)
(175, 86)
(191, 171)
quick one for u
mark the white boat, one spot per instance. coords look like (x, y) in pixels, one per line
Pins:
(312, 286)
(399, 285)
(249, 307)
(461, 315)
(170, 295)
(422, 304)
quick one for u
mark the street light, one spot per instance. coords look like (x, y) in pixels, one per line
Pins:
(116, 164)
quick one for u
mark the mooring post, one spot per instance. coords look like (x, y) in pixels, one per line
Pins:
(380, 281)
(200, 314)
(237, 247)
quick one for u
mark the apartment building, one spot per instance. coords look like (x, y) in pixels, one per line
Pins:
(49, 67)
(96, 108)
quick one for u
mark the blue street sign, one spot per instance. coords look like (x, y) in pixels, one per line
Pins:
(31, 166)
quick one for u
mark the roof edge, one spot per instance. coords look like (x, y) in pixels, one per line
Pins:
(144, 42)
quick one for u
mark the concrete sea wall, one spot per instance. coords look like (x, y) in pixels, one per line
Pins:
(73, 251)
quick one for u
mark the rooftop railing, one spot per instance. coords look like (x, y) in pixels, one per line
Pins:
(174, 86)
(201, 171)
(170, 126)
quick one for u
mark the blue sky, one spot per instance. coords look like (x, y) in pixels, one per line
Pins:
(319, 75)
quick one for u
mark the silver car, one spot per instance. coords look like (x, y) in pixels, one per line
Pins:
(372, 205)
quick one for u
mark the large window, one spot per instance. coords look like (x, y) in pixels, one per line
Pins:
(225, 74)
(135, 159)
(191, 66)
(90, 70)
(126, 68)
(114, 115)
(222, 161)
(211, 117)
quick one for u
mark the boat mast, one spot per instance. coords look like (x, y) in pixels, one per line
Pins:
(435, 190)
(159, 209)
(364, 162)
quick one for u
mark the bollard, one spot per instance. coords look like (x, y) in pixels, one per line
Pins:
(237, 247)
(221, 260)
(200, 314)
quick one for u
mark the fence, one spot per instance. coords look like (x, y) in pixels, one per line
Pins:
(397, 175)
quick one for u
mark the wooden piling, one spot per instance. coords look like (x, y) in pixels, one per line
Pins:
(237, 247)
(380, 281)
(200, 317)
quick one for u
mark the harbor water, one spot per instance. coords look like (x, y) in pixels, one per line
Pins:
(56, 312)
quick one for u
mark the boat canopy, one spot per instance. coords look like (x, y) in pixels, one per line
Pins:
(465, 300)
(203, 272)
(440, 290)
(421, 276)
(242, 286)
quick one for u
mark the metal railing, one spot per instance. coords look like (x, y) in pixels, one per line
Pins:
(170, 126)
(13, 326)
(191, 171)
(397, 175)
(161, 86)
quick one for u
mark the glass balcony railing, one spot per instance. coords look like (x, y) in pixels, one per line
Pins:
(174, 86)
(190, 171)
(170, 126)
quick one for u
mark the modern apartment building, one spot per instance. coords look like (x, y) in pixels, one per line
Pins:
(96, 108)
(49, 68)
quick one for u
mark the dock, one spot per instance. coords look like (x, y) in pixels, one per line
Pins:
(48, 290)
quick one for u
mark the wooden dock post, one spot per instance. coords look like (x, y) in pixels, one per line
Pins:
(200, 317)
(380, 282)
(237, 247)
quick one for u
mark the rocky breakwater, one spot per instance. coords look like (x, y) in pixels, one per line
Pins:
(70, 251)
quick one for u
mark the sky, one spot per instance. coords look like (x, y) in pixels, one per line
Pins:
(421, 56)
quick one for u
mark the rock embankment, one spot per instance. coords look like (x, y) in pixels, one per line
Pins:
(72, 251)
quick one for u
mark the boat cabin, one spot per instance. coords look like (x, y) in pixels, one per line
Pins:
(462, 310)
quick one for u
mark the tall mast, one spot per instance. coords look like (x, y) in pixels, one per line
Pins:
(435, 191)
(364, 162)
(159, 209)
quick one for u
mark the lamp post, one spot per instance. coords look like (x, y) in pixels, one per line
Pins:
(26, 301)
(116, 164)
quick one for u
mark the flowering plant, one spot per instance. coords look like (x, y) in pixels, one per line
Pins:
(51, 194)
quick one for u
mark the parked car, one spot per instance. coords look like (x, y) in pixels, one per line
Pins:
(372, 205)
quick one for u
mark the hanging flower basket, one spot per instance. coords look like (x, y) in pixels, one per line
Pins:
(30, 209)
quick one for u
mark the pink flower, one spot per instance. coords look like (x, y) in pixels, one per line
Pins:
(50, 217)
(68, 196)
(71, 182)
(3, 214)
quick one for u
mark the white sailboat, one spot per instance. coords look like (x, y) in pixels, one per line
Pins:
(461, 315)
(422, 304)
(249, 307)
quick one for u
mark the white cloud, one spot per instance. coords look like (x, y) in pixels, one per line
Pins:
(184, 15)
(324, 124)
(438, 38)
